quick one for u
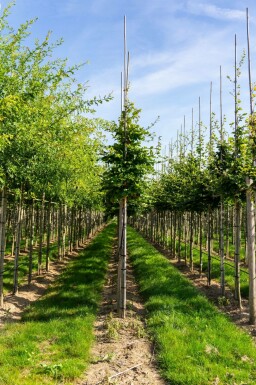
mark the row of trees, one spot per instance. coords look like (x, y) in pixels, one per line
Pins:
(49, 148)
(208, 169)
(47, 144)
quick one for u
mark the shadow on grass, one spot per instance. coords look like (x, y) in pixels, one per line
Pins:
(77, 291)
(163, 281)
(24, 266)
(186, 327)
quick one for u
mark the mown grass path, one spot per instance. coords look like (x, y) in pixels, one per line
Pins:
(196, 344)
(51, 345)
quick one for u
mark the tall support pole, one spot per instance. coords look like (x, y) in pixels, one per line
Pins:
(250, 211)
(200, 213)
(121, 300)
(209, 216)
(221, 238)
(210, 118)
(237, 211)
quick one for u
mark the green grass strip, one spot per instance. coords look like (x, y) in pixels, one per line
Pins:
(24, 266)
(51, 345)
(196, 344)
(215, 270)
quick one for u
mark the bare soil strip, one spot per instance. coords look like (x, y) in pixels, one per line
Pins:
(14, 305)
(123, 353)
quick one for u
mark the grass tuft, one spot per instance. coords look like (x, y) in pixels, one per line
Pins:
(52, 343)
(197, 345)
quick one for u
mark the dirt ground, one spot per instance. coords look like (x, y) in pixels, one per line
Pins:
(122, 353)
(239, 316)
(14, 305)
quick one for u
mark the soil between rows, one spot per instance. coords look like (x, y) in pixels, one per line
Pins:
(239, 316)
(123, 353)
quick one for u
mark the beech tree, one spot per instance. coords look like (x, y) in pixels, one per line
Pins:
(128, 162)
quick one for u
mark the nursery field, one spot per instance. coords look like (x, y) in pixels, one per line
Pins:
(51, 344)
(194, 343)
(100, 215)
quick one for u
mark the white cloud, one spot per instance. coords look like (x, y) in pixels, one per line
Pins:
(215, 12)
(193, 65)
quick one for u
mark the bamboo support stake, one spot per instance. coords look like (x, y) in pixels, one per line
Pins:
(2, 242)
(121, 296)
(237, 208)
(250, 208)
(221, 240)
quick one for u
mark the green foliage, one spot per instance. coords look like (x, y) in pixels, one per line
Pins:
(217, 351)
(127, 160)
(46, 143)
(185, 187)
(53, 341)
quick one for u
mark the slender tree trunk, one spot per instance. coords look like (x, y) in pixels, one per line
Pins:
(237, 251)
(59, 229)
(31, 242)
(221, 249)
(17, 247)
(185, 237)
(64, 231)
(200, 243)
(2, 241)
(122, 258)
(174, 234)
(48, 238)
(209, 248)
(120, 233)
(41, 235)
(179, 237)
(71, 230)
(191, 241)
(227, 232)
(251, 252)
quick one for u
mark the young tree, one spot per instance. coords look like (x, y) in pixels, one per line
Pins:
(128, 161)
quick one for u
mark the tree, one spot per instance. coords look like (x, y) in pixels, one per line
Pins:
(128, 162)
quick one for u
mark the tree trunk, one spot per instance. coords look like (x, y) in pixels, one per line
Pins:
(185, 238)
(209, 247)
(122, 257)
(41, 235)
(31, 242)
(237, 239)
(200, 244)
(179, 237)
(191, 241)
(48, 238)
(2, 242)
(59, 230)
(227, 232)
(221, 249)
(251, 252)
(17, 248)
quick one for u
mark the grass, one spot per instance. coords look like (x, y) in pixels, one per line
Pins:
(51, 345)
(215, 270)
(215, 266)
(24, 266)
(196, 344)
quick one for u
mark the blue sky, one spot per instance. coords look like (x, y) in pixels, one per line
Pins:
(176, 49)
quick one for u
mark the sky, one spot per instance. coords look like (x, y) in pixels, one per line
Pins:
(176, 49)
